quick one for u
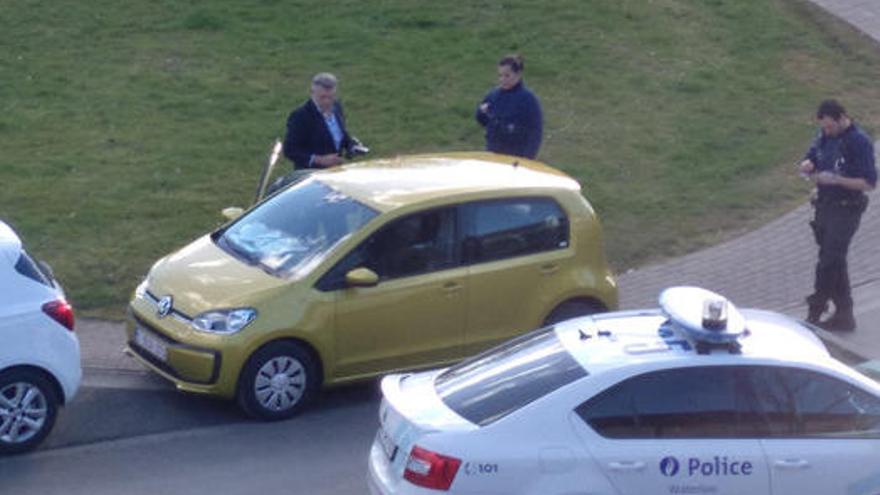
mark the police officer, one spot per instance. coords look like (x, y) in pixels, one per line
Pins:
(511, 113)
(841, 163)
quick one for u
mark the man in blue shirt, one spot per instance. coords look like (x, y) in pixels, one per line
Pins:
(841, 163)
(511, 113)
(316, 135)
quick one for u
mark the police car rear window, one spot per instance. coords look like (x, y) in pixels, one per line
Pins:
(29, 268)
(500, 381)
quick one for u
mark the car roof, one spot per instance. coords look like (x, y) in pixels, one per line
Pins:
(611, 341)
(390, 183)
(10, 244)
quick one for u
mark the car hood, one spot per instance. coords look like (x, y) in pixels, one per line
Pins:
(201, 276)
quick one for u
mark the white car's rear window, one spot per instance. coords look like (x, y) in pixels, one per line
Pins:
(496, 383)
(30, 269)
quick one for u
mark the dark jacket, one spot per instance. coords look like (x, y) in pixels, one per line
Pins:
(513, 123)
(308, 135)
(850, 154)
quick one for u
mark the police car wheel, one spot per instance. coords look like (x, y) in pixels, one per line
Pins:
(277, 381)
(28, 407)
(573, 309)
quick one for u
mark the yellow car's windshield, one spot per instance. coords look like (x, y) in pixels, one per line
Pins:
(294, 229)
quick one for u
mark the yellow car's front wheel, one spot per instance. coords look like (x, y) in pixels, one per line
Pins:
(278, 380)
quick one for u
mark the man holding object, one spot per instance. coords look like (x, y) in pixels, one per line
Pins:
(841, 163)
(316, 135)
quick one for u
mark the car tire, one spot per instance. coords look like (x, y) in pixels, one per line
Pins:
(277, 381)
(28, 408)
(572, 309)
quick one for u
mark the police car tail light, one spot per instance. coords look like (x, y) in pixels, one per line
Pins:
(430, 469)
(60, 311)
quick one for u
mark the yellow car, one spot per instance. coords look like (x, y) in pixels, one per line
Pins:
(370, 268)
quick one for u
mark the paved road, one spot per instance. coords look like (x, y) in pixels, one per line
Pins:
(322, 451)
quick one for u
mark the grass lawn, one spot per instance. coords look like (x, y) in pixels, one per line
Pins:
(126, 126)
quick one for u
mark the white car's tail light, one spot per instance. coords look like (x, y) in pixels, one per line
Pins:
(430, 469)
(60, 311)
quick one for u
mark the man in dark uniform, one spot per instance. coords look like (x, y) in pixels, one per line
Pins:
(511, 113)
(316, 135)
(841, 163)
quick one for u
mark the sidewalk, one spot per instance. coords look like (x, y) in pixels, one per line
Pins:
(863, 14)
(772, 268)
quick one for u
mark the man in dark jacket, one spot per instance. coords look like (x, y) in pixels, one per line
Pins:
(841, 163)
(511, 113)
(316, 135)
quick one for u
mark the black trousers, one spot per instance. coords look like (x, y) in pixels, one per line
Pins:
(834, 225)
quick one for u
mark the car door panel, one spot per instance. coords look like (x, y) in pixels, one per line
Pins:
(415, 316)
(401, 323)
(517, 250)
(821, 431)
(675, 431)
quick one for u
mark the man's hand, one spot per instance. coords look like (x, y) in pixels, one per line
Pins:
(807, 167)
(484, 108)
(826, 178)
(328, 160)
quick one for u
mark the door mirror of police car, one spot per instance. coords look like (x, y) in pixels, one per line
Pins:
(361, 277)
(232, 212)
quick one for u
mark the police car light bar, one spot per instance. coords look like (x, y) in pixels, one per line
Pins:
(703, 315)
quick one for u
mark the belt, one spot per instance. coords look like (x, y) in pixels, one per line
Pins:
(859, 202)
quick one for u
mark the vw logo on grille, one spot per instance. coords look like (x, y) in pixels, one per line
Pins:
(163, 307)
(669, 466)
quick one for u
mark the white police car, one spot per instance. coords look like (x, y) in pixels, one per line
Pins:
(694, 398)
(39, 353)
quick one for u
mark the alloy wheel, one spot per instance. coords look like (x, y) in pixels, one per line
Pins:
(24, 411)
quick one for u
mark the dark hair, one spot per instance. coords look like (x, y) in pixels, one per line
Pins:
(830, 108)
(514, 61)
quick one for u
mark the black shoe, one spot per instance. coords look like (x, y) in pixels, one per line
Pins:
(839, 322)
(814, 312)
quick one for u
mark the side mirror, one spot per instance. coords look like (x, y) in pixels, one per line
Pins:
(361, 277)
(232, 212)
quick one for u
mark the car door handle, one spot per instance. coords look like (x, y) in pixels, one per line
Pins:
(626, 465)
(549, 269)
(451, 287)
(791, 464)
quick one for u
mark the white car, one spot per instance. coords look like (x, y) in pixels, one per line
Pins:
(39, 353)
(694, 398)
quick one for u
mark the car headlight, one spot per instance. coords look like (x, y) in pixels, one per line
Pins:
(224, 320)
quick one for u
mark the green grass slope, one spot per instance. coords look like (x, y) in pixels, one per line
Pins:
(126, 126)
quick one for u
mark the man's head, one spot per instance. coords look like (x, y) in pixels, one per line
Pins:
(510, 71)
(832, 118)
(324, 91)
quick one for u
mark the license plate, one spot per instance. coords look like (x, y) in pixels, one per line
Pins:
(150, 343)
(387, 444)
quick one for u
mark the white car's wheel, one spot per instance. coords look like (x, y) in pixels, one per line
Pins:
(28, 407)
(277, 381)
